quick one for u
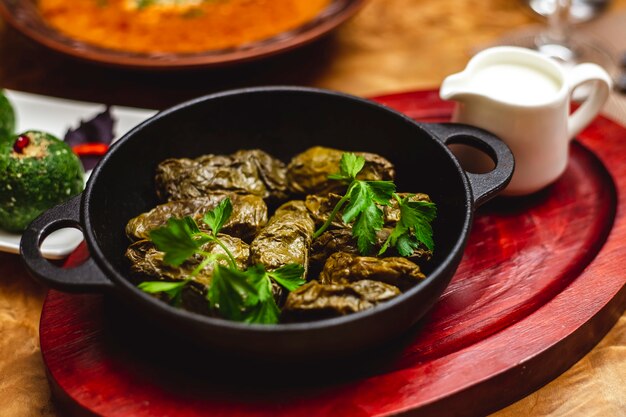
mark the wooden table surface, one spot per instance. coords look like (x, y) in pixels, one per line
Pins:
(391, 45)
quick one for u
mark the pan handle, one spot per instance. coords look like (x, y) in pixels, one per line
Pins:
(86, 277)
(484, 186)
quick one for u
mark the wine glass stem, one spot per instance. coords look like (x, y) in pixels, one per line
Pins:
(558, 31)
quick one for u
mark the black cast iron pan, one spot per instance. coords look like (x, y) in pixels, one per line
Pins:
(282, 121)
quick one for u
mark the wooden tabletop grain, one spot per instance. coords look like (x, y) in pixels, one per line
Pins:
(390, 46)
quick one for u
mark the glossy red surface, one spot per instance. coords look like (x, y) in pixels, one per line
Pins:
(540, 283)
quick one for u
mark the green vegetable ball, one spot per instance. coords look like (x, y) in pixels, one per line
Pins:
(7, 117)
(37, 172)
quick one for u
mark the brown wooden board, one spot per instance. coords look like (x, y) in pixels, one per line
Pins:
(540, 283)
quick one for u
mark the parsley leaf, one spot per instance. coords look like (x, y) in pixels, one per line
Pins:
(217, 217)
(418, 216)
(247, 295)
(365, 227)
(362, 198)
(177, 240)
(258, 278)
(362, 201)
(288, 276)
(413, 228)
(359, 199)
(180, 239)
(382, 191)
(230, 293)
(362, 208)
(350, 165)
(265, 311)
(406, 244)
(174, 290)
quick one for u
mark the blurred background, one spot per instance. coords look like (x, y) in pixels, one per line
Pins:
(388, 46)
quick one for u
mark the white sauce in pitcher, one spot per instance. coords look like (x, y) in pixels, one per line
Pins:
(518, 84)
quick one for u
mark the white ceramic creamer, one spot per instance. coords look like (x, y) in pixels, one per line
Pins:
(523, 97)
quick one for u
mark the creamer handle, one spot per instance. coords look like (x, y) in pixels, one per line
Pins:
(593, 104)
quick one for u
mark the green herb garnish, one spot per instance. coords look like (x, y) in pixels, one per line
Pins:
(247, 295)
(180, 239)
(174, 290)
(241, 295)
(288, 276)
(363, 199)
(413, 228)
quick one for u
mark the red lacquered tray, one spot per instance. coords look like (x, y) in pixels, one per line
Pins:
(540, 283)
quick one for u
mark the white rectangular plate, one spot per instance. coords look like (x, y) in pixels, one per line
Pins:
(56, 116)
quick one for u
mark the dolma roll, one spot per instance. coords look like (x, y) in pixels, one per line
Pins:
(339, 240)
(147, 261)
(243, 172)
(308, 172)
(315, 300)
(344, 267)
(147, 265)
(248, 217)
(320, 206)
(285, 239)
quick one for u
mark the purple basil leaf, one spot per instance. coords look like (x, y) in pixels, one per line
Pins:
(99, 129)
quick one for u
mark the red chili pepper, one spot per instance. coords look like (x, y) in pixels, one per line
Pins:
(93, 148)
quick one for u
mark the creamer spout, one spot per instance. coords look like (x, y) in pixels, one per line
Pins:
(456, 87)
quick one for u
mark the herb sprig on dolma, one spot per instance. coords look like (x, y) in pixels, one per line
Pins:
(362, 200)
(236, 294)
